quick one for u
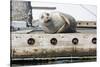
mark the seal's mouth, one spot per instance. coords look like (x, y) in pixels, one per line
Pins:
(46, 21)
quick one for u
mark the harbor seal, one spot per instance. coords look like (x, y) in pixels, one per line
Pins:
(57, 22)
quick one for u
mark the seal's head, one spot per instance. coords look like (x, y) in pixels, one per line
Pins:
(47, 23)
(45, 17)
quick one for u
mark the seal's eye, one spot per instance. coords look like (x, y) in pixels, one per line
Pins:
(42, 17)
(47, 14)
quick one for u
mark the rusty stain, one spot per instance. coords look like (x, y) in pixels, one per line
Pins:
(35, 50)
(44, 51)
(54, 52)
(39, 36)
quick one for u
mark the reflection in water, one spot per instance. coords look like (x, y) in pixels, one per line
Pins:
(53, 61)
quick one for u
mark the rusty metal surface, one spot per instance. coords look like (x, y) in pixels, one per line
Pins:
(86, 24)
(42, 48)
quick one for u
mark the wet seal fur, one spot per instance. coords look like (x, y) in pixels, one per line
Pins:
(57, 22)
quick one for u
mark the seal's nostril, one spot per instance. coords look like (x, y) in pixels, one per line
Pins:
(47, 17)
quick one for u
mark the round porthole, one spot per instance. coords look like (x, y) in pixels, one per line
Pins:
(75, 41)
(31, 41)
(53, 41)
(94, 40)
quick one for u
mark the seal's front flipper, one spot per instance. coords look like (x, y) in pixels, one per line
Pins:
(67, 22)
(61, 29)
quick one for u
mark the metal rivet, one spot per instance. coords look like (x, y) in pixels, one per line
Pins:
(94, 40)
(94, 23)
(16, 37)
(39, 36)
(75, 41)
(79, 23)
(14, 51)
(53, 41)
(18, 28)
(31, 41)
(87, 23)
(62, 36)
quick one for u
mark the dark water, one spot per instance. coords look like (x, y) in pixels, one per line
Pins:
(53, 61)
